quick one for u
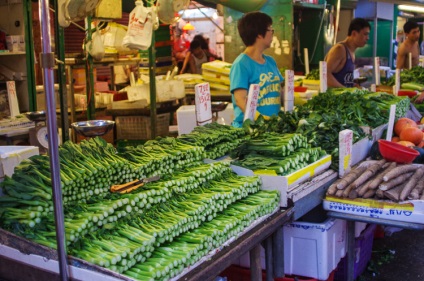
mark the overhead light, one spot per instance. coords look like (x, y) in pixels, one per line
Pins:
(188, 26)
(406, 14)
(215, 15)
(410, 8)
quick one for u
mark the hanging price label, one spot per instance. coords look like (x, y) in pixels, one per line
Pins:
(203, 104)
(252, 102)
(323, 76)
(289, 90)
(377, 71)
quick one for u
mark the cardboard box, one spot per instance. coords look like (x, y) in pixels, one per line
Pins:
(314, 249)
(407, 211)
(285, 183)
(11, 156)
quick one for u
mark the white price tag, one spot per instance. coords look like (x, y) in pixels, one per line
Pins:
(203, 104)
(345, 151)
(252, 102)
(289, 91)
(377, 71)
(13, 98)
(323, 76)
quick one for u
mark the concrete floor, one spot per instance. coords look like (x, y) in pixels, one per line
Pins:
(399, 257)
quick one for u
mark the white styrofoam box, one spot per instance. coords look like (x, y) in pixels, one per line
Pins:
(186, 119)
(375, 132)
(11, 156)
(314, 249)
(360, 150)
(285, 183)
(407, 211)
(359, 227)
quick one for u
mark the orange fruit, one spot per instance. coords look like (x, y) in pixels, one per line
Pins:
(403, 123)
(411, 134)
(406, 143)
(395, 139)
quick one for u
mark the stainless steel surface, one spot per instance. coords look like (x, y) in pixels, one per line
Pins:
(48, 79)
(36, 115)
(93, 128)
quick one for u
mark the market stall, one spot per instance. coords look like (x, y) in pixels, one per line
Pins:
(186, 208)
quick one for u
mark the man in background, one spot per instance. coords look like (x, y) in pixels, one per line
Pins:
(410, 45)
(341, 57)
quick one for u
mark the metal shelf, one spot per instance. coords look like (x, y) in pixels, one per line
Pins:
(11, 53)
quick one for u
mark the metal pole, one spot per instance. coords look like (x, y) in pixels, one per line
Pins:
(61, 75)
(47, 63)
(152, 79)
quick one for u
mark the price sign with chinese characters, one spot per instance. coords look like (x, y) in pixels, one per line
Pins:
(252, 102)
(13, 98)
(203, 104)
(323, 76)
(377, 70)
(289, 90)
(345, 151)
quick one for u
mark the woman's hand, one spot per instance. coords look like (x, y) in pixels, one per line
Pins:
(420, 98)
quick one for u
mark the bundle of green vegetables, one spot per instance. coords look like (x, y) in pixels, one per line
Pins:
(322, 118)
(98, 212)
(282, 154)
(161, 156)
(112, 233)
(217, 139)
(313, 74)
(168, 260)
(87, 170)
(412, 79)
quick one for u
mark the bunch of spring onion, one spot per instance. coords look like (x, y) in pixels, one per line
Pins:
(161, 156)
(172, 218)
(83, 218)
(218, 140)
(272, 144)
(168, 260)
(281, 165)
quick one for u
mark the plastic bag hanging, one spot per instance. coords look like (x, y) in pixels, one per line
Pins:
(95, 46)
(140, 28)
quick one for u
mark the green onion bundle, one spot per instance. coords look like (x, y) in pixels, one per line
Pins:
(218, 140)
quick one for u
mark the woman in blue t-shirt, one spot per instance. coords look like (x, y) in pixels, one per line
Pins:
(254, 67)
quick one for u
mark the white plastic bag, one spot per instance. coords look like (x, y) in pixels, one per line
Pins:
(95, 46)
(140, 28)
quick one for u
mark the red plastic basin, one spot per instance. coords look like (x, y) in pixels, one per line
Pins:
(410, 94)
(300, 89)
(395, 152)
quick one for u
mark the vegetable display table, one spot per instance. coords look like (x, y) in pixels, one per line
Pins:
(20, 258)
(351, 219)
